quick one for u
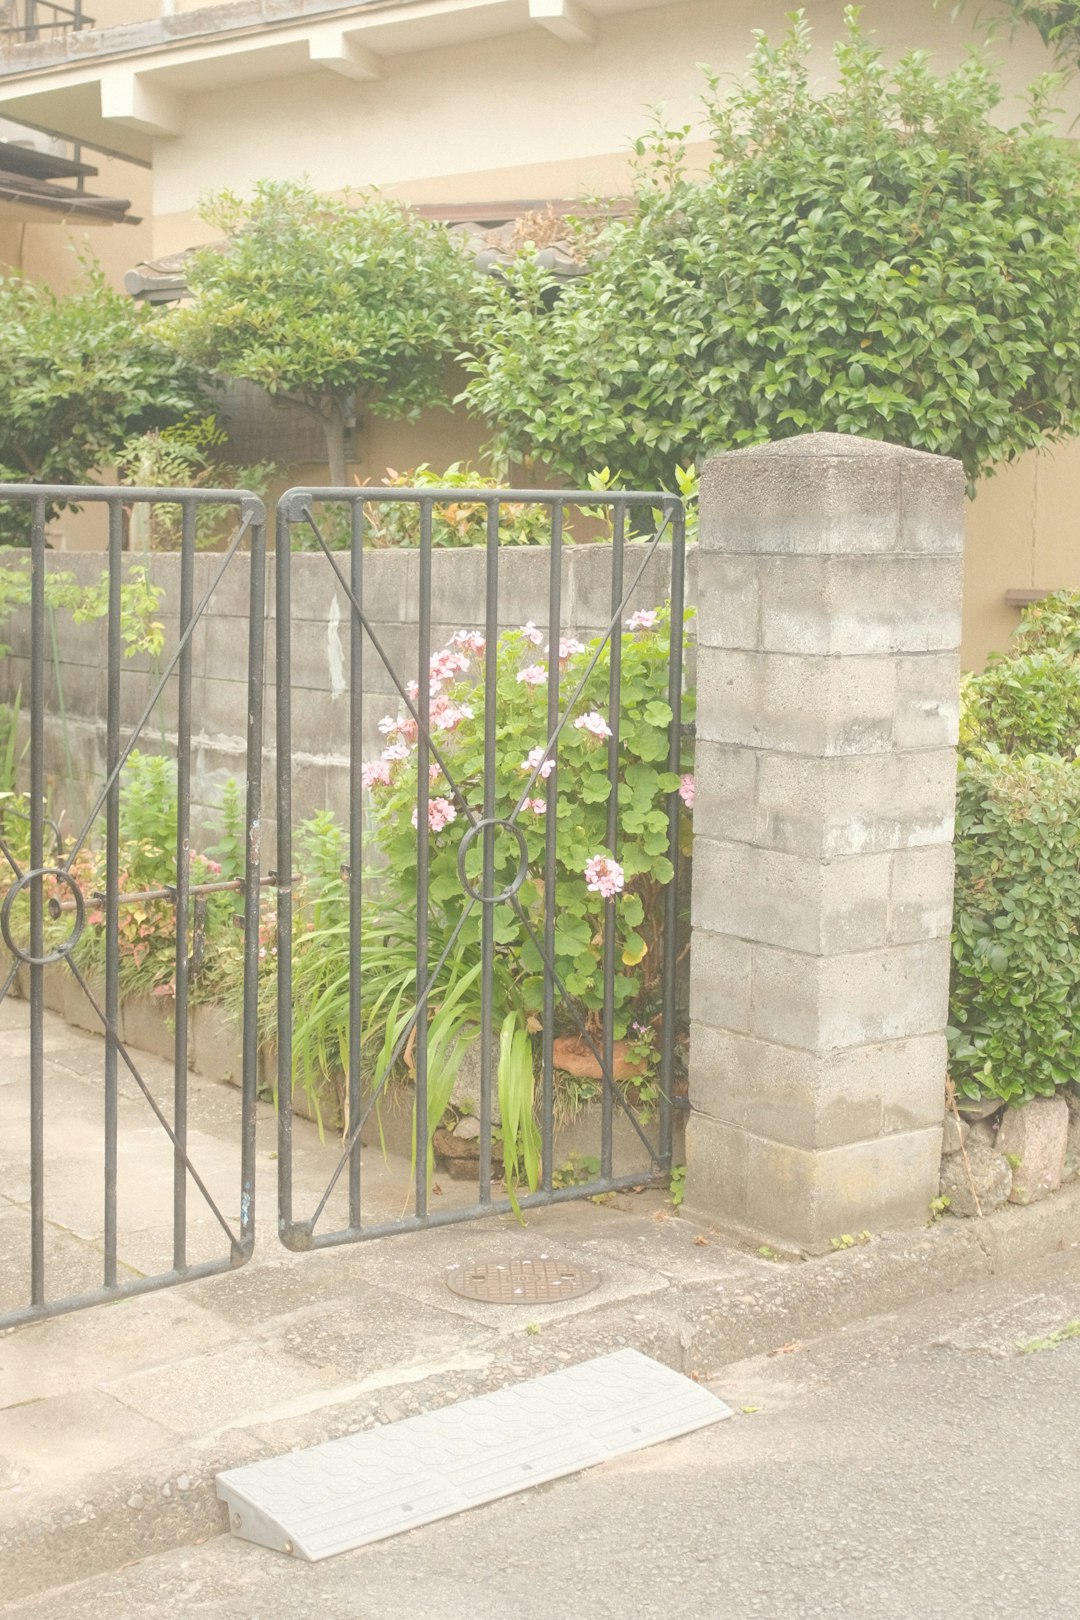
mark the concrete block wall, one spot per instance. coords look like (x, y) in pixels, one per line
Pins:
(321, 699)
(829, 591)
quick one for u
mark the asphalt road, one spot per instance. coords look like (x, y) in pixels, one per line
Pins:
(918, 1467)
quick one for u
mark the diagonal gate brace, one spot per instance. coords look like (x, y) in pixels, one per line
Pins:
(366, 1487)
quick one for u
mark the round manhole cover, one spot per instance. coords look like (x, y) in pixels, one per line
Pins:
(521, 1282)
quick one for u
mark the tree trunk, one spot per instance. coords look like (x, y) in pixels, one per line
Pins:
(334, 428)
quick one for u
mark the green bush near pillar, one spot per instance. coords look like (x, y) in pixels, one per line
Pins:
(1015, 1001)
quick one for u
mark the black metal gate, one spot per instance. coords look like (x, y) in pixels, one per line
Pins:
(45, 909)
(463, 917)
(494, 861)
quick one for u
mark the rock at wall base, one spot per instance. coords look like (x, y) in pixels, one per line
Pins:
(1034, 1138)
(990, 1179)
(955, 1134)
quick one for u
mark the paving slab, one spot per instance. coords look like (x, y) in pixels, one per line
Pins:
(46, 1443)
(88, 1349)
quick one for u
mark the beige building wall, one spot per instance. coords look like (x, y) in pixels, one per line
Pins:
(49, 248)
(526, 116)
(1022, 533)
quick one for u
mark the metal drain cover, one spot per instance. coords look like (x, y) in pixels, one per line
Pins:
(521, 1282)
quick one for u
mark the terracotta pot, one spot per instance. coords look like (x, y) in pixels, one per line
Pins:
(575, 1056)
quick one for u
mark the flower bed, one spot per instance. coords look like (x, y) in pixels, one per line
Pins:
(603, 887)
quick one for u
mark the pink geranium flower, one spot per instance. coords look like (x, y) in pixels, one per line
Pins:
(375, 773)
(604, 876)
(686, 790)
(447, 716)
(535, 675)
(440, 814)
(445, 665)
(537, 806)
(531, 633)
(471, 640)
(536, 755)
(643, 619)
(568, 648)
(594, 723)
(402, 726)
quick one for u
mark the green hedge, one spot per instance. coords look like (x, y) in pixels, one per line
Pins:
(1027, 704)
(1015, 1005)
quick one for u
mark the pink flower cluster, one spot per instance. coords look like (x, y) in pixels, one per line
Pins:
(440, 814)
(445, 665)
(594, 723)
(445, 715)
(377, 772)
(531, 633)
(686, 790)
(604, 876)
(535, 675)
(471, 640)
(536, 755)
(568, 648)
(403, 725)
(643, 619)
(537, 806)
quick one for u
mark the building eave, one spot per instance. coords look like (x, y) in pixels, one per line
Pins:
(122, 89)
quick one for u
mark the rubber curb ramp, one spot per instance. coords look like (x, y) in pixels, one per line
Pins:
(365, 1487)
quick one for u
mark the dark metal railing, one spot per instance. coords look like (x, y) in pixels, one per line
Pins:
(60, 873)
(47, 885)
(347, 567)
(43, 19)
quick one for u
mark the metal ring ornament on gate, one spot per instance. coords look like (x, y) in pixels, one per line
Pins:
(66, 946)
(523, 861)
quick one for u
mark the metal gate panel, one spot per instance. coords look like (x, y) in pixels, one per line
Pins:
(57, 870)
(663, 516)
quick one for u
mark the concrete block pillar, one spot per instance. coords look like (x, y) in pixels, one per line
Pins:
(828, 677)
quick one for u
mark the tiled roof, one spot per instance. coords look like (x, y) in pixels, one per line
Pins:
(495, 234)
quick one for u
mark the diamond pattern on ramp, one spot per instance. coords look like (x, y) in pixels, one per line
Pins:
(365, 1487)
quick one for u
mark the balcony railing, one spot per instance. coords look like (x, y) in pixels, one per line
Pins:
(23, 21)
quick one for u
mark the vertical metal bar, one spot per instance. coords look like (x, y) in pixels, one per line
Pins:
(423, 703)
(614, 693)
(282, 557)
(551, 796)
(356, 856)
(252, 874)
(487, 882)
(183, 884)
(37, 899)
(112, 879)
(671, 899)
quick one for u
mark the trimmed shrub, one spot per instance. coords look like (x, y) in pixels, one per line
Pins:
(1029, 704)
(1015, 1006)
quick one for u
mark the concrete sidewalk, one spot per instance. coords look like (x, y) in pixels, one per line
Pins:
(918, 1466)
(114, 1420)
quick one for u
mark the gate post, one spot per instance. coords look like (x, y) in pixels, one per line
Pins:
(828, 674)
